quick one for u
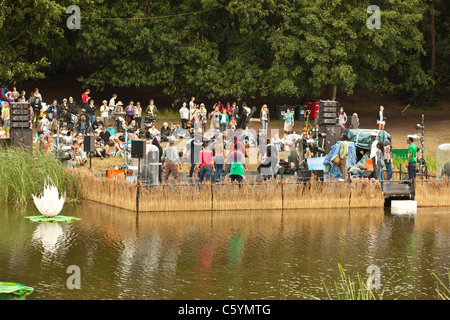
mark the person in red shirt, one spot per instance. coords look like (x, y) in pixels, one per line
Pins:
(207, 164)
(85, 99)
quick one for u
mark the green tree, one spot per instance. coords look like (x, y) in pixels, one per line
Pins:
(32, 37)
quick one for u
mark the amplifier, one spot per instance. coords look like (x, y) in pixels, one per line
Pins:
(19, 125)
(19, 105)
(20, 117)
(332, 115)
(19, 111)
(327, 121)
(327, 103)
(328, 109)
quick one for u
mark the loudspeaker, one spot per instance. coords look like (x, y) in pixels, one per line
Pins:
(368, 174)
(333, 135)
(89, 143)
(21, 138)
(328, 122)
(354, 122)
(137, 149)
(20, 115)
(318, 174)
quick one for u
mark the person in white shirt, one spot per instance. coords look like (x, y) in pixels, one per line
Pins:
(104, 112)
(373, 149)
(184, 115)
(112, 105)
(191, 103)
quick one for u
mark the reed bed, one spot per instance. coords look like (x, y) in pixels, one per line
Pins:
(433, 193)
(227, 196)
(25, 173)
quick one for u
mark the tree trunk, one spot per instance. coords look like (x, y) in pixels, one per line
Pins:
(433, 40)
(334, 92)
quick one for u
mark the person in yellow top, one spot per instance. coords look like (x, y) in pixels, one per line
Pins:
(343, 153)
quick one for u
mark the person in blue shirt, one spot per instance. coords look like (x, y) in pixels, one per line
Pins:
(111, 130)
(288, 121)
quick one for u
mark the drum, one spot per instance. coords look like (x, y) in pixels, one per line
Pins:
(336, 160)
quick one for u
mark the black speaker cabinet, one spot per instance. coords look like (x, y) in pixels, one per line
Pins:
(333, 135)
(137, 149)
(21, 137)
(89, 143)
(368, 174)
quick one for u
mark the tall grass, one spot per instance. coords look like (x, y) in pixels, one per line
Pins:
(24, 174)
(348, 289)
(444, 293)
(433, 193)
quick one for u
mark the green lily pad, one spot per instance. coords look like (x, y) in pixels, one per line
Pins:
(10, 290)
(52, 219)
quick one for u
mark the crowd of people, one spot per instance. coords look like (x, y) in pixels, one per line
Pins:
(215, 142)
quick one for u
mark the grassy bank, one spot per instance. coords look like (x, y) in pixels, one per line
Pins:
(24, 174)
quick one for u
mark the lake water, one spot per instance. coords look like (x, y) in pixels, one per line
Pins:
(222, 255)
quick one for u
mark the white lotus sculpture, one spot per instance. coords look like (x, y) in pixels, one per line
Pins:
(49, 203)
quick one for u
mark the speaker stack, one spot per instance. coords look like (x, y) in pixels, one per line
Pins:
(330, 130)
(20, 128)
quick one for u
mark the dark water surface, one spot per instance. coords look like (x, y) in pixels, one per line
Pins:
(222, 255)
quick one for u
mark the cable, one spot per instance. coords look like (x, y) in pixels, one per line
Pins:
(149, 18)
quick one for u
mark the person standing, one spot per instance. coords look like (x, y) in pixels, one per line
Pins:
(288, 121)
(129, 112)
(90, 111)
(373, 148)
(85, 99)
(342, 118)
(170, 161)
(104, 112)
(36, 105)
(72, 106)
(388, 158)
(191, 103)
(112, 105)
(137, 114)
(224, 119)
(218, 158)
(236, 161)
(118, 114)
(152, 109)
(203, 116)
(379, 162)
(184, 115)
(206, 164)
(264, 118)
(381, 119)
(343, 154)
(215, 115)
(412, 151)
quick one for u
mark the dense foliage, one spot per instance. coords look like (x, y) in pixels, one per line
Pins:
(238, 48)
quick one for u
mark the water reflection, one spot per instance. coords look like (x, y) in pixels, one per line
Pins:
(224, 255)
(52, 240)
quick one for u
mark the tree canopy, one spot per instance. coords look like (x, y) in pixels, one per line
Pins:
(238, 48)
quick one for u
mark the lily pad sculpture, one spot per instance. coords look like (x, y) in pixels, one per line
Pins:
(9, 290)
(50, 204)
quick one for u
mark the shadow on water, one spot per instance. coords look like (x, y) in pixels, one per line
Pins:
(222, 255)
